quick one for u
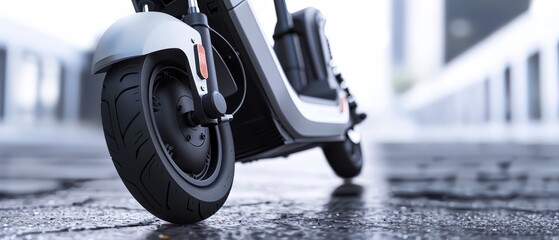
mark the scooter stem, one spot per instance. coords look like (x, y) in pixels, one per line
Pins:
(193, 6)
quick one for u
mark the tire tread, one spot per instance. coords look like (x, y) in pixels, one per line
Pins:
(145, 177)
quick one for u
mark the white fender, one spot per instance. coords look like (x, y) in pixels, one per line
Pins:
(143, 33)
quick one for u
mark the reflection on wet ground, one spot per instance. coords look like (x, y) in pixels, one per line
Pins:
(283, 219)
(407, 191)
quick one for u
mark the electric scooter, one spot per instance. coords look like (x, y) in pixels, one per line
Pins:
(191, 87)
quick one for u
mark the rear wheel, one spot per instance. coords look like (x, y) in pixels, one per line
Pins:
(345, 158)
(178, 172)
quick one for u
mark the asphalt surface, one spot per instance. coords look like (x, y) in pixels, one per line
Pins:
(407, 191)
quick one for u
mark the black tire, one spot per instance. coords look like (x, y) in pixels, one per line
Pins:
(345, 158)
(148, 166)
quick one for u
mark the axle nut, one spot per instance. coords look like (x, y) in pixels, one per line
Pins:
(214, 104)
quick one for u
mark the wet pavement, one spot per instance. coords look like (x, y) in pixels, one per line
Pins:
(407, 191)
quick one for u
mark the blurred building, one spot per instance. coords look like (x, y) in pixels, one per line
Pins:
(490, 65)
(39, 76)
(45, 86)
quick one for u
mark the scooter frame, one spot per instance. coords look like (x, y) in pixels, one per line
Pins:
(305, 118)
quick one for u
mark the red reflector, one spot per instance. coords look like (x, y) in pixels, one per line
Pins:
(202, 67)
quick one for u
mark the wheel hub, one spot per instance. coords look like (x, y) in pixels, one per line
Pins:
(187, 145)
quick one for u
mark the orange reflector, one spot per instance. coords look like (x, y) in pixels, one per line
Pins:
(202, 67)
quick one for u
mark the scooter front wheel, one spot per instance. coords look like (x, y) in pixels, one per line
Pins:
(345, 158)
(178, 172)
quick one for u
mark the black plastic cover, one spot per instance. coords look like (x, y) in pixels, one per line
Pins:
(309, 25)
(176, 8)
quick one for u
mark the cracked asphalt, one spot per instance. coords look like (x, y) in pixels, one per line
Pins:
(407, 191)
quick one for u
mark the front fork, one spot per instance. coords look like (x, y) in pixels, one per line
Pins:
(213, 103)
(209, 104)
